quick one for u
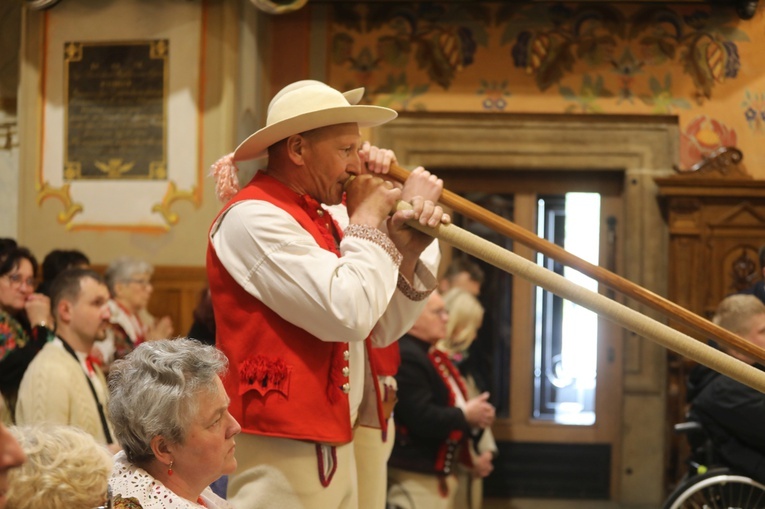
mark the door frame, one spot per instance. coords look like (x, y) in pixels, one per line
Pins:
(643, 148)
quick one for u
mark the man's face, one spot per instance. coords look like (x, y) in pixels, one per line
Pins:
(431, 324)
(331, 156)
(88, 315)
(756, 334)
(466, 282)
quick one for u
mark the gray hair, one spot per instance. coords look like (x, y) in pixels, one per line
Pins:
(735, 312)
(153, 391)
(123, 269)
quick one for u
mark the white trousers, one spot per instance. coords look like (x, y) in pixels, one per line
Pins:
(279, 472)
(413, 490)
(372, 464)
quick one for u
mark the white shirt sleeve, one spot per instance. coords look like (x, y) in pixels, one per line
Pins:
(402, 311)
(278, 262)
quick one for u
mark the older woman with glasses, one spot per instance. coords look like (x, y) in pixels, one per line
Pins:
(129, 282)
(65, 468)
(170, 415)
(25, 322)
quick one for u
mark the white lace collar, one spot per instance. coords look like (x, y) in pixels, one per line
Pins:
(130, 481)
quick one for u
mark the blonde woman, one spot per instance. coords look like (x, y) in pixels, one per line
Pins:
(65, 469)
(465, 318)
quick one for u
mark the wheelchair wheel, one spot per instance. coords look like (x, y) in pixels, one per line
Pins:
(718, 489)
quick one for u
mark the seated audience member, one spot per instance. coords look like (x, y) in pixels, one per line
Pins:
(170, 415)
(65, 469)
(6, 244)
(203, 330)
(758, 288)
(465, 318)
(11, 456)
(730, 412)
(434, 417)
(25, 320)
(56, 262)
(129, 282)
(62, 384)
(462, 273)
(203, 327)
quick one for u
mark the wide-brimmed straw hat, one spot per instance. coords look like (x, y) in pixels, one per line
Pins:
(307, 107)
(354, 96)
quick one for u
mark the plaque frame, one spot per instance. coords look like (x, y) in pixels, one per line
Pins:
(133, 205)
(115, 167)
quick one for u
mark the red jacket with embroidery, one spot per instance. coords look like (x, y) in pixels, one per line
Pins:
(282, 381)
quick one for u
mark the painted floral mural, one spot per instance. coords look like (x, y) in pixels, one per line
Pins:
(698, 62)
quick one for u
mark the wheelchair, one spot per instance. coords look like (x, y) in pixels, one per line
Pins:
(709, 485)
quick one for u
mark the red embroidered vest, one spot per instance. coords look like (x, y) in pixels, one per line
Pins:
(282, 381)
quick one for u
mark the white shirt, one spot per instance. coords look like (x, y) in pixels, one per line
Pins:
(334, 298)
(130, 481)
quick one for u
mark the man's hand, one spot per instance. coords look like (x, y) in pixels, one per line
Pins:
(162, 329)
(370, 199)
(422, 183)
(376, 160)
(422, 190)
(482, 465)
(411, 242)
(479, 413)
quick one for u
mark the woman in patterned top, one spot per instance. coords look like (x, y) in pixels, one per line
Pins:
(170, 415)
(25, 320)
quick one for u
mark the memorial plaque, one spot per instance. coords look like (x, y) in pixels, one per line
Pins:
(115, 110)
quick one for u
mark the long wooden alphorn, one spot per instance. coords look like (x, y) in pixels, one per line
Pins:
(603, 306)
(615, 282)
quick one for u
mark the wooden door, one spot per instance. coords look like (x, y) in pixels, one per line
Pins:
(544, 453)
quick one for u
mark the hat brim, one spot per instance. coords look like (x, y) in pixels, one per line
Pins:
(256, 145)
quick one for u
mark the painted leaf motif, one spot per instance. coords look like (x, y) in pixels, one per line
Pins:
(668, 48)
(342, 48)
(559, 61)
(432, 60)
(394, 50)
(347, 16)
(695, 67)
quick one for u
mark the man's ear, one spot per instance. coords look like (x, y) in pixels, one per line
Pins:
(64, 311)
(296, 145)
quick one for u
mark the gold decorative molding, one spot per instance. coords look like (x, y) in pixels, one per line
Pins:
(9, 135)
(171, 196)
(71, 208)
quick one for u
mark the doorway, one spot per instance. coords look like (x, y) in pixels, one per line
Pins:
(556, 385)
(563, 150)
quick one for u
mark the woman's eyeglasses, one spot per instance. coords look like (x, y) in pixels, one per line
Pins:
(17, 280)
(140, 282)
